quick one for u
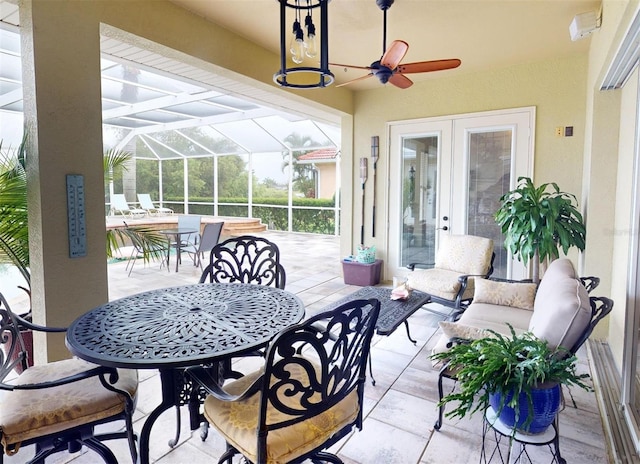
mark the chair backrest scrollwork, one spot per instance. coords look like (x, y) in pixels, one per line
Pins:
(310, 371)
(14, 354)
(246, 259)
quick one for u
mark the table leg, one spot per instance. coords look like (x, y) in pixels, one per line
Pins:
(169, 399)
(178, 252)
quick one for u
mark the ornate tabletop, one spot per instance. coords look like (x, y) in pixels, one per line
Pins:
(182, 326)
(392, 312)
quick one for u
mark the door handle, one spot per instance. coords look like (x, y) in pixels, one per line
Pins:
(443, 228)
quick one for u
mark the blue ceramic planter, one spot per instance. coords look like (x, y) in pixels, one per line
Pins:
(546, 403)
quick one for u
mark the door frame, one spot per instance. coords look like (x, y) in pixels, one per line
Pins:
(527, 164)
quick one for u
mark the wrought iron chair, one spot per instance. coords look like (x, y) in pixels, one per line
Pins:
(246, 259)
(450, 280)
(56, 406)
(308, 396)
(210, 238)
(191, 222)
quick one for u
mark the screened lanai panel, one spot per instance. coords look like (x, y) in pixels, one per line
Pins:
(295, 135)
(333, 132)
(147, 147)
(160, 117)
(138, 77)
(197, 109)
(233, 102)
(211, 140)
(112, 136)
(251, 136)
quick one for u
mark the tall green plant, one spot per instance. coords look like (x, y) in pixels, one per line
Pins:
(537, 222)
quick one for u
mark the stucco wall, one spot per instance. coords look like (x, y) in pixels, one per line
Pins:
(555, 88)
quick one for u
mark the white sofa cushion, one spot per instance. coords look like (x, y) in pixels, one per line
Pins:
(562, 310)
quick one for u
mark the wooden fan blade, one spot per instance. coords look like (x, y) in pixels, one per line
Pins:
(354, 80)
(349, 66)
(428, 66)
(394, 54)
(400, 81)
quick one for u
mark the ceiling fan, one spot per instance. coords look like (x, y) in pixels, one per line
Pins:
(388, 67)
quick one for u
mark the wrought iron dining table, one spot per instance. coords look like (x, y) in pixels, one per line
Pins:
(173, 328)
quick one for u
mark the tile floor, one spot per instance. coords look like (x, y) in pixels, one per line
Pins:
(400, 408)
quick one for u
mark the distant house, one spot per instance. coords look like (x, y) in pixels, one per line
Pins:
(324, 166)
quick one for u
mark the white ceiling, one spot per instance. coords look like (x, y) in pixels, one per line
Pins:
(484, 34)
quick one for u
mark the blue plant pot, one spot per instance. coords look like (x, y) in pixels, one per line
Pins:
(546, 403)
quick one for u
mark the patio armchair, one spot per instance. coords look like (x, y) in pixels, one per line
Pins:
(307, 397)
(245, 259)
(188, 222)
(147, 204)
(450, 280)
(210, 238)
(56, 406)
(120, 206)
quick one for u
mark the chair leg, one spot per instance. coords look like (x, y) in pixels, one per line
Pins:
(323, 456)
(438, 423)
(100, 448)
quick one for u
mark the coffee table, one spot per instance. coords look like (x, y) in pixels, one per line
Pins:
(392, 312)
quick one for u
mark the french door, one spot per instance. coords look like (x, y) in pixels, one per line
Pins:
(447, 176)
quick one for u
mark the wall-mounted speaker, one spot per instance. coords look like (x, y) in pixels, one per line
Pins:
(583, 25)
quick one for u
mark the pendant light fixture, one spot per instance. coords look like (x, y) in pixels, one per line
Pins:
(300, 44)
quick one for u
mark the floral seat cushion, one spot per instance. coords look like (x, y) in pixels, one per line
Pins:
(25, 414)
(237, 422)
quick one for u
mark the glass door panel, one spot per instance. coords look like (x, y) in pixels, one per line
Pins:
(490, 154)
(419, 199)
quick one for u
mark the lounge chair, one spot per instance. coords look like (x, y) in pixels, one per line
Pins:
(147, 204)
(120, 206)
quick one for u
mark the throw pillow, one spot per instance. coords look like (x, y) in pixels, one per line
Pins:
(457, 330)
(514, 294)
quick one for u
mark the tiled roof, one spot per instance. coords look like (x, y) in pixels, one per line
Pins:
(323, 154)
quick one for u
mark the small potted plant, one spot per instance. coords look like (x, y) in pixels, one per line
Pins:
(537, 222)
(519, 376)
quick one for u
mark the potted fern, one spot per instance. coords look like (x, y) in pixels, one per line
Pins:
(536, 222)
(519, 376)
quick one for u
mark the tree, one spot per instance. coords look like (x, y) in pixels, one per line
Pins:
(303, 174)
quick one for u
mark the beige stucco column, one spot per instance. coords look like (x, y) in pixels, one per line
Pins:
(61, 72)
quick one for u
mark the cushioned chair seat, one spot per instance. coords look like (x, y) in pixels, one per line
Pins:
(442, 283)
(237, 422)
(26, 414)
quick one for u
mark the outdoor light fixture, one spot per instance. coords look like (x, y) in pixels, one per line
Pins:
(299, 43)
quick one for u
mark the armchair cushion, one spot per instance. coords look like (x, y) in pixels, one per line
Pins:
(464, 254)
(513, 294)
(25, 414)
(442, 283)
(237, 421)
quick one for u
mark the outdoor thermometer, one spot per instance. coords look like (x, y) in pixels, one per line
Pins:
(76, 216)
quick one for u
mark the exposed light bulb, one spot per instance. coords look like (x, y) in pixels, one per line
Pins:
(297, 43)
(310, 46)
